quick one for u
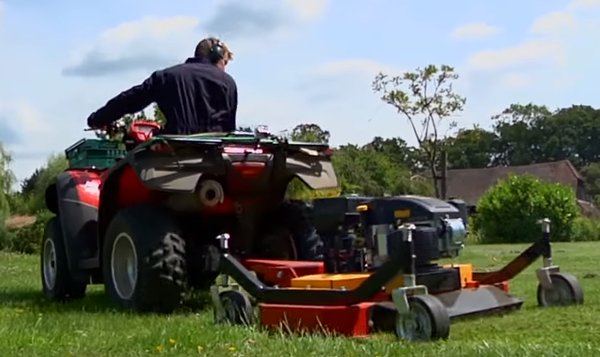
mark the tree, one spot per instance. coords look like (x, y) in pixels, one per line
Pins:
(398, 151)
(373, 173)
(426, 98)
(309, 133)
(471, 148)
(46, 175)
(591, 174)
(571, 133)
(7, 179)
(520, 140)
(158, 115)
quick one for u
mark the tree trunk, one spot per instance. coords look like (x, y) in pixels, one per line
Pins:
(435, 178)
(444, 176)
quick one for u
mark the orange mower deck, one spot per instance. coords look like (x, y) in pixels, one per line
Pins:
(415, 305)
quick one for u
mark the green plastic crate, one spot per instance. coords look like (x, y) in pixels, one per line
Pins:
(88, 153)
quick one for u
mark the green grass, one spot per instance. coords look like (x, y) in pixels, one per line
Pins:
(30, 326)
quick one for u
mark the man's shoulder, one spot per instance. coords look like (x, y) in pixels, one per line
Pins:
(198, 69)
(228, 78)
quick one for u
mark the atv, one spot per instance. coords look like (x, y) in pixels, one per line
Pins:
(143, 220)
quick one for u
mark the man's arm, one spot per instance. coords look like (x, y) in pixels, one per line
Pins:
(128, 102)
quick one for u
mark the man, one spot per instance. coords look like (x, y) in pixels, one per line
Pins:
(196, 96)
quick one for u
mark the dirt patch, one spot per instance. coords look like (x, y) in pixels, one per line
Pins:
(19, 221)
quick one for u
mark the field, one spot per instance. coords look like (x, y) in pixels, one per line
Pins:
(31, 326)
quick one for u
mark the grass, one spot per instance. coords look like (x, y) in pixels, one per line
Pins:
(31, 326)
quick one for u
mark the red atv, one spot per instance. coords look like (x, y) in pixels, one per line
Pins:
(144, 221)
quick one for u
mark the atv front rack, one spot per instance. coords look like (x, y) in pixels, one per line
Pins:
(354, 311)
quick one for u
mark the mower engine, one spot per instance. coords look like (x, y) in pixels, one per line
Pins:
(361, 233)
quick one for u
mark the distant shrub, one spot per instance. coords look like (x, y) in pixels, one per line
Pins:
(27, 239)
(6, 236)
(509, 211)
(586, 230)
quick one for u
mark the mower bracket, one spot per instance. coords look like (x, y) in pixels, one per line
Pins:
(400, 296)
(543, 275)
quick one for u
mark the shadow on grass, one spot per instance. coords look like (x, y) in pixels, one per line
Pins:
(94, 302)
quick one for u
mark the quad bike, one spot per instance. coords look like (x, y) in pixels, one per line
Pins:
(143, 221)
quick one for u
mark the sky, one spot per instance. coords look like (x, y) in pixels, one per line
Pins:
(296, 61)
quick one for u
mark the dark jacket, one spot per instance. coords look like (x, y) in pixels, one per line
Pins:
(195, 97)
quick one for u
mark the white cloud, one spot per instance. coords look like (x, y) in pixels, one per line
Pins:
(368, 67)
(24, 134)
(23, 117)
(558, 22)
(475, 30)
(583, 4)
(153, 42)
(516, 81)
(528, 52)
(309, 10)
(144, 44)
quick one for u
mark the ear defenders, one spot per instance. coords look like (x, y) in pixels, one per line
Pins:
(217, 51)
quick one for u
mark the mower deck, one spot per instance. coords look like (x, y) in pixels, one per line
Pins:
(416, 305)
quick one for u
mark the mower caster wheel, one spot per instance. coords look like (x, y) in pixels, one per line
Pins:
(237, 308)
(426, 320)
(566, 290)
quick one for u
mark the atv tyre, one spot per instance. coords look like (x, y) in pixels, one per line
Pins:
(57, 282)
(143, 261)
(291, 229)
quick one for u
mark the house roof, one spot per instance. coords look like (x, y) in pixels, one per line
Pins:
(470, 184)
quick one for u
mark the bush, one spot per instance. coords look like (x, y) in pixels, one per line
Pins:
(586, 230)
(6, 236)
(27, 239)
(509, 212)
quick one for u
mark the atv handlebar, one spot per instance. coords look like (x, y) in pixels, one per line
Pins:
(111, 129)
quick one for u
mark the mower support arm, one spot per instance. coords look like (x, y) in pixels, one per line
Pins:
(364, 292)
(541, 248)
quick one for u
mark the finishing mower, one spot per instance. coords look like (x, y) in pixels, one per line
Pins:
(142, 220)
(385, 277)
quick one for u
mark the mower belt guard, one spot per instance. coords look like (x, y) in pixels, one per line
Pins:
(481, 300)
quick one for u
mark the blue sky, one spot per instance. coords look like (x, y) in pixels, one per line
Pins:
(296, 61)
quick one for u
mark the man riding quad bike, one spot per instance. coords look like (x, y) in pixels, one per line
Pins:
(146, 226)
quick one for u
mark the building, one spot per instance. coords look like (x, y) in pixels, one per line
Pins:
(470, 184)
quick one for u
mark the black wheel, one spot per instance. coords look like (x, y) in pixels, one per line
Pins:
(427, 320)
(566, 290)
(143, 260)
(237, 308)
(57, 282)
(289, 234)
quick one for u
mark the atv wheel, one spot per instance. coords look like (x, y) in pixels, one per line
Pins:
(144, 260)
(290, 235)
(566, 290)
(237, 308)
(57, 282)
(427, 320)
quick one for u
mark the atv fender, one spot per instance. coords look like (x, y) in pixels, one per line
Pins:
(316, 171)
(77, 195)
(165, 174)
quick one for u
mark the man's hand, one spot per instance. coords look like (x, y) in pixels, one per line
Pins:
(91, 122)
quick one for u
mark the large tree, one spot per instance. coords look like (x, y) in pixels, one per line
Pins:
(427, 100)
(471, 148)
